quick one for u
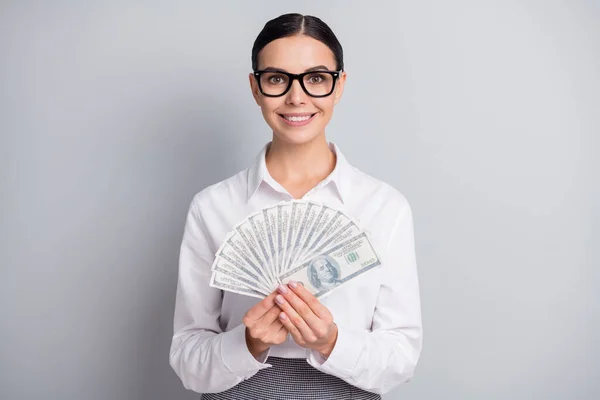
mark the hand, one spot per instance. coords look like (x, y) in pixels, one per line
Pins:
(309, 322)
(263, 329)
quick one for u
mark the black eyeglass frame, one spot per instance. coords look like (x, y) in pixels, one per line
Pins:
(300, 77)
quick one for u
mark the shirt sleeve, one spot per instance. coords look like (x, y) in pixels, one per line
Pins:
(206, 359)
(376, 360)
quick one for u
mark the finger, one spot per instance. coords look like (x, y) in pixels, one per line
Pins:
(276, 326)
(291, 328)
(301, 308)
(271, 316)
(315, 305)
(283, 328)
(261, 308)
(295, 318)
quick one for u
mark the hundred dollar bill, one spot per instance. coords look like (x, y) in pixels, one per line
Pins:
(338, 219)
(315, 233)
(234, 251)
(259, 229)
(225, 268)
(336, 226)
(351, 229)
(245, 231)
(327, 271)
(283, 221)
(296, 215)
(270, 217)
(343, 233)
(224, 282)
(306, 229)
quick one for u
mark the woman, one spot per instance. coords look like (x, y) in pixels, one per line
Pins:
(362, 339)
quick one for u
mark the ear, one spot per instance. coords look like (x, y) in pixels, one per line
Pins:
(254, 88)
(339, 87)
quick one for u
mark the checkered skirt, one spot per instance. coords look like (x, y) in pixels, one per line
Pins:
(292, 379)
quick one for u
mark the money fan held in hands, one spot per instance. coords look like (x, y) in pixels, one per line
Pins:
(297, 276)
(321, 248)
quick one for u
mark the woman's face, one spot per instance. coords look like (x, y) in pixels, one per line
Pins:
(296, 54)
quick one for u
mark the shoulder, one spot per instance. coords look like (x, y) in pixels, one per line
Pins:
(382, 193)
(225, 193)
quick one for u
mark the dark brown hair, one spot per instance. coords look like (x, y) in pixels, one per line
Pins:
(298, 24)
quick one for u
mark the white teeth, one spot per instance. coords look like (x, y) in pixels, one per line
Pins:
(297, 119)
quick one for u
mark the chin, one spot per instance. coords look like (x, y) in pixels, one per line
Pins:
(296, 136)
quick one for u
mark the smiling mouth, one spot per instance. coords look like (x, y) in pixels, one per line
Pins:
(297, 119)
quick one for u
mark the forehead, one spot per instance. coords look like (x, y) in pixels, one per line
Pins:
(296, 54)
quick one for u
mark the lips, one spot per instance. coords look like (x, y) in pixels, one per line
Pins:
(297, 119)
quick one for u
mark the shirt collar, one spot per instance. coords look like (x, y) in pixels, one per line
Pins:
(340, 175)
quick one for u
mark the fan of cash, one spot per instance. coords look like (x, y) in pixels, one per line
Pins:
(297, 240)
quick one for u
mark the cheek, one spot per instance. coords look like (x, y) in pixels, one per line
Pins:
(269, 104)
(325, 105)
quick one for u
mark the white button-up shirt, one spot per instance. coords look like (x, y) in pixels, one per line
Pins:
(378, 313)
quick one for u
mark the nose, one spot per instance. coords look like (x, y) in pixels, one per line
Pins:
(296, 95)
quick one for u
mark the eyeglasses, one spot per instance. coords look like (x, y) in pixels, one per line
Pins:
(314, 83)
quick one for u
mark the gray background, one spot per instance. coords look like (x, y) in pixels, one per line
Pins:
(483, 113)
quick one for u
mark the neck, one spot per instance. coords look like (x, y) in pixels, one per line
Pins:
(292, 164)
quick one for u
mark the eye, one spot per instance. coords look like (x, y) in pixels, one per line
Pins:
(316, 78)
(276, 79)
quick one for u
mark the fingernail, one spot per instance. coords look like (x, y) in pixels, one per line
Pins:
(293, 284)
(282, 316)
(279, 299)
(283, 289)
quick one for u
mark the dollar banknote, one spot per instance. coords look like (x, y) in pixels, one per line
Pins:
(326, 271)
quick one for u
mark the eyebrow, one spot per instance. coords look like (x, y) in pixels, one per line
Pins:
(311, 69)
